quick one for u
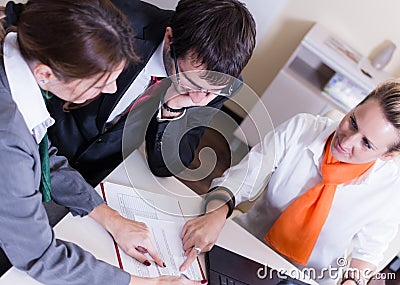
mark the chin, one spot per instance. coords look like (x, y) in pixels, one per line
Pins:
(339, 156)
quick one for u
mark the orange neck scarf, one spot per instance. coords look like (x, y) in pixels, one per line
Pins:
(296, 230)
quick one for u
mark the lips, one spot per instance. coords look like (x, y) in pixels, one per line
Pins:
(339, 148)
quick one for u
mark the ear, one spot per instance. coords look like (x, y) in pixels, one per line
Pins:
(168, 36)
(43, 75)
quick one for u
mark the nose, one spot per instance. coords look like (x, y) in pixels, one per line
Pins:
(197, 96)
(349, 141)
(110, 88)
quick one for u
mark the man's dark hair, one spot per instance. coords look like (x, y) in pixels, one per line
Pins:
(219, 34)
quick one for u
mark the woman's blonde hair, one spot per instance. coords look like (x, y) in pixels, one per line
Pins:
(388, 96)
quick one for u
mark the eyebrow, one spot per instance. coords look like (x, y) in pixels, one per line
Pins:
(190, 80)
(369, 141)
(200, 87)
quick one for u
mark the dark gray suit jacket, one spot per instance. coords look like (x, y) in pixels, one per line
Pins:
(26, 236)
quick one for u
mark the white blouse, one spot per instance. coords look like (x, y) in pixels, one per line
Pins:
(365, 211)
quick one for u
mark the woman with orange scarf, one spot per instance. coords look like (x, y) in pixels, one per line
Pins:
(332, 185)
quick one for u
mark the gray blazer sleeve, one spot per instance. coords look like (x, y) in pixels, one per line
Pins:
(69, 188)
(26, 236)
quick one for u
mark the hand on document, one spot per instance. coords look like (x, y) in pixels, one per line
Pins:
(202, 232)
(132, 236)
(163, 229)
(165, 280)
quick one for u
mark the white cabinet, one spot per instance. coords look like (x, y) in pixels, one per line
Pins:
(299, 86)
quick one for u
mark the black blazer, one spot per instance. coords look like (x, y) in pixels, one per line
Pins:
(95, 149)
(81, 135)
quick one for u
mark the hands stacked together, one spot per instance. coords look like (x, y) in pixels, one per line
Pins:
(198, 235)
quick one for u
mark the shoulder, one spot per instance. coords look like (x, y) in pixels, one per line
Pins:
(12, 124)
(14, 132)
(305, 123)
(8, 108)
(389, 170)
(302, 130)
(142, 14)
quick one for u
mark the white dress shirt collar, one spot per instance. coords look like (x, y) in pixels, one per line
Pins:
(155, 66)
(318, 145)
(25, 90)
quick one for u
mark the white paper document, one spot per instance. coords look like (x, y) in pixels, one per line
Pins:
(165, 227)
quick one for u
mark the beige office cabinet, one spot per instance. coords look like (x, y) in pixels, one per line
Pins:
(322, 74)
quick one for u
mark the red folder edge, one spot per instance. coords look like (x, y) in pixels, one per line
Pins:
(115, 244)
(201, 269)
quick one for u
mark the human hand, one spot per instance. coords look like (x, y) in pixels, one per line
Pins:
(135, 239)
(349, 282)
(190, 100)
(165, 280)
(132, 236)
(202, 232)
(179, 101)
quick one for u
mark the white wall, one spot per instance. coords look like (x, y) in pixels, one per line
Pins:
(281, 24)
(264, 12)
(363, 24)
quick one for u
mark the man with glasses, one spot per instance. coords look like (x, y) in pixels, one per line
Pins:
(199, 35)
(218, 36)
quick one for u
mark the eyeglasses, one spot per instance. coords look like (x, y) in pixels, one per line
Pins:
(184, 89)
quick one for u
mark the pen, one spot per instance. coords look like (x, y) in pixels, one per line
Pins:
(184, 275)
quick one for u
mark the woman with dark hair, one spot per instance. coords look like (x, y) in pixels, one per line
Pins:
(74, 50)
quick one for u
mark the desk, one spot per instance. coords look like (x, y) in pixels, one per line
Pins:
(82, 230)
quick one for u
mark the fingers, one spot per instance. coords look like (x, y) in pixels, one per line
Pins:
(197, 240)
(185, 229)
(135, 240)
(139, 256)
(191, 235)
(189, 260)
(139, 253)
(141, 249)
(202, 282)
(186, 281)
(166, 280)
(187, 242)
(189, 100)
(157, 259)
